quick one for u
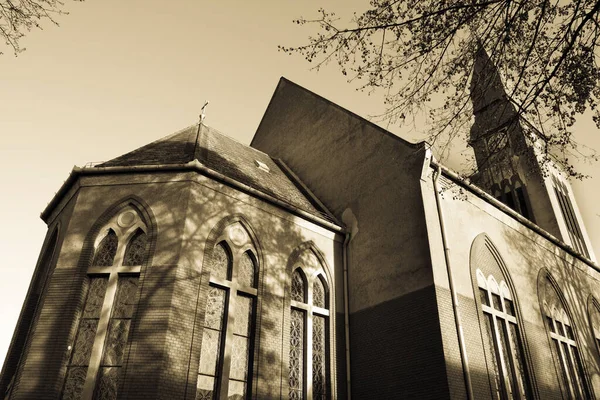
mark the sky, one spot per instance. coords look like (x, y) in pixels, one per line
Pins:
(116, 75)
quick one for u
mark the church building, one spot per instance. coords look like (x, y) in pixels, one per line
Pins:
(330, 259)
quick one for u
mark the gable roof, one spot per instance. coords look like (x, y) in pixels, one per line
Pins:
(286, 84)
(230, 158)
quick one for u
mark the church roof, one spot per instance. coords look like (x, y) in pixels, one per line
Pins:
(230, 158)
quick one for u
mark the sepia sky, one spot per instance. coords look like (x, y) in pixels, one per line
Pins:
(117, 75)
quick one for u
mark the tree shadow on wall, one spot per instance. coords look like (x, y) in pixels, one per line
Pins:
(575, 284)
(162, 352)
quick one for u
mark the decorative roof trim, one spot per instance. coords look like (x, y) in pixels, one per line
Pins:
(193, 165)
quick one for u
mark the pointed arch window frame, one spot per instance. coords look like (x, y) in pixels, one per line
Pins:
(594, 307)
(233, 289)
(310, 311)
(112, 273)
(497, 303)
(563, 342)
(498, 269)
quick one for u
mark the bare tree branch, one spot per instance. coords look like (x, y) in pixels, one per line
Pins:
(20, 16)
(421, 54)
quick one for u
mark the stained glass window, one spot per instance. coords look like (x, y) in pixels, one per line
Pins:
(105, 253)
(116, 338)
(319, 366)
(221, 267)
(504, 343)
(229, 320)
(319, 293)
(298, 286)
(74, 383)
(240, 351)
(135, 253)
(212, 343)
(296, 377)
(84, 341)
(99, 347)
(302, 314)
(246, 270)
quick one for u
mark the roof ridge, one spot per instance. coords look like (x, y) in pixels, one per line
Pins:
(168, 136)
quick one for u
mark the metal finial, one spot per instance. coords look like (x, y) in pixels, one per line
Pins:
(202, 113)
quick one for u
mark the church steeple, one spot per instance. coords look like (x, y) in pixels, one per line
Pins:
(486, 84)
(497, 138)
(508, 164)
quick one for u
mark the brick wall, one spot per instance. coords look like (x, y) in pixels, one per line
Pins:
(401, 354)
(162, 354)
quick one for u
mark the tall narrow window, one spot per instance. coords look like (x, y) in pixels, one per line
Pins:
(594, 319)
(225, 368)
(523, 207)
(116, 338)
(82, 349)
(570, 218)
(506, 350)
(308, 331)
(212, 341)
(297, 336)
(564, 345)
(97, 356)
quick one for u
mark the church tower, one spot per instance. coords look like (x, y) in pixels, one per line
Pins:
(508, 155)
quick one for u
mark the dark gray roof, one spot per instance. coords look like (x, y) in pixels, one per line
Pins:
(228, 157)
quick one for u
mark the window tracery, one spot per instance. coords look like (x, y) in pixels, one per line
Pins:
(107, 249)
(319, 293)
(98, 352)
(246, 272)
(504, 342)
(296, 378)
(136, 249)
(229, 318)
(304, 315)
(564, 343)
(82, 348)
(222, 262)
(319, 358)
(298, 286)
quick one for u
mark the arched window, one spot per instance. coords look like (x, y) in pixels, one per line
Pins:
(97, 353)
(594, 318)
(297, 335)
(502, 332)
(135, 252)
(309, 332)
(564, 343)
(226, 351)
(106, 250)
(503, 341)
